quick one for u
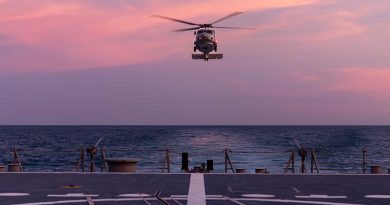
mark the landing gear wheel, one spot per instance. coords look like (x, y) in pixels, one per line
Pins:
(215, 48)
(194, 48)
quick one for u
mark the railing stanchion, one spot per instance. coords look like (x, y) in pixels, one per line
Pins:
(314, 163)
(17, 159)
(169, 160)
(291, 161)
(364, 160)
(80, 162)
(228, 161)
(103, 166)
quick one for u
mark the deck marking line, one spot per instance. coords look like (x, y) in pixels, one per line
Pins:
(233, 200)
(296, 190)
(313, 196)
(179, 196)
(14, 194)
(230, 189)
(90, 201)
(240, 199)
(146, 201)
(143, 198)
(53, 202)
(196, 193)
(237, 199)
(84, 200)
(259, 195)
(134, 195)
(214, 196)
(185, 196)
(378, 196)
(296, 201)
(176, 201)
(73, 195)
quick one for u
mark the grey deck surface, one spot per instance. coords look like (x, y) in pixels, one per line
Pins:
(220, 189)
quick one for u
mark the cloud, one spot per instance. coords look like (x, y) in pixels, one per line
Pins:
(374, 81)
(315, 23)
(64, 35)
(43, 11)
(78, 34)
(342, 82)
(327, 60)
(364, 82)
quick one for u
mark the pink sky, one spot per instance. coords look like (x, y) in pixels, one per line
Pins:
(109, 62)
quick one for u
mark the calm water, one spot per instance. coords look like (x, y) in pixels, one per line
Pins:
(54, 148)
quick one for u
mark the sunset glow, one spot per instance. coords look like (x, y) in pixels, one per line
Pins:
(109, 62)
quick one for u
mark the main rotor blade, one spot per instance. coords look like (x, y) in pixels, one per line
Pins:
(177, 20)
(226, 17)
(228, 27)
(187, 29)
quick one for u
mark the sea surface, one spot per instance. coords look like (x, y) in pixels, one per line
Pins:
(338, 149)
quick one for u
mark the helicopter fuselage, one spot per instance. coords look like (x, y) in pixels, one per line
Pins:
(205, 41)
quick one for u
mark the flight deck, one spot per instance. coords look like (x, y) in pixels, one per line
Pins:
(192, 189)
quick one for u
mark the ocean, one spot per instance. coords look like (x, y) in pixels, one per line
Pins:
(338, 149)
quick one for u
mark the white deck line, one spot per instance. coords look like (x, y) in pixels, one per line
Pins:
(196, 193)
(321, 197)
(90, 201)
(378, 196)
(14, 194)
(73, 195)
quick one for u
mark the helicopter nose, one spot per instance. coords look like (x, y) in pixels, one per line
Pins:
(207, 47)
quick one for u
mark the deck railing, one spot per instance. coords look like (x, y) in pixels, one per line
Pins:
(226, 160)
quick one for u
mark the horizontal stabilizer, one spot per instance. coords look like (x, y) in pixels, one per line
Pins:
(210, 56)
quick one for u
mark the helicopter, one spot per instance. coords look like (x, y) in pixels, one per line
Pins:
(205, 40)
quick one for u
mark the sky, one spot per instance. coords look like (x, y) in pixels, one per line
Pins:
(97, 62)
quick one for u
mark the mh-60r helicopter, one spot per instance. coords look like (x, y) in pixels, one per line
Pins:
(205, 40)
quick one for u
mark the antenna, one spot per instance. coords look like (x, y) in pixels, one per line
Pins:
(98, 142)
(297, 143)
